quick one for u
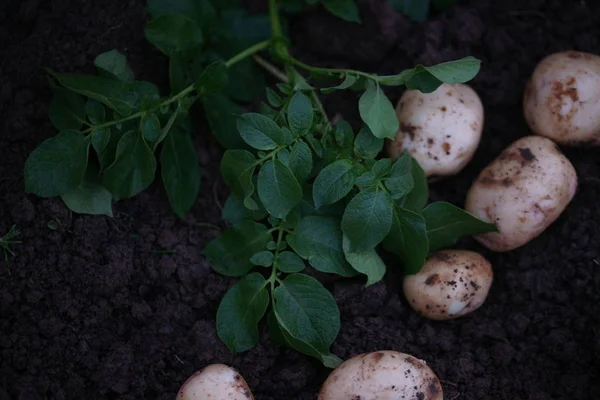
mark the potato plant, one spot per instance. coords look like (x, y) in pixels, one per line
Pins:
(305, 192)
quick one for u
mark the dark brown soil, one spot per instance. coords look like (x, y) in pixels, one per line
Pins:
(98, 310)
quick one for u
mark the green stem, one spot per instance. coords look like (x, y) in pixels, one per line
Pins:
(273, 278)
(250, 51)
(330, 71)
(274, 19)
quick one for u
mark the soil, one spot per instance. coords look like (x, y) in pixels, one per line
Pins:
(124, 308)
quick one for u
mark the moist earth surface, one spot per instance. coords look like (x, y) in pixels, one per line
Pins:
(124, 308)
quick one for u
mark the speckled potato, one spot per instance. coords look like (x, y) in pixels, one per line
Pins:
(562, 98)
(215, 382)
(522, 191)
(452, 283)
(382, 375)
(441, 130)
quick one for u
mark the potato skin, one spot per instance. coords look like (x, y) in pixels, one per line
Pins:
(452, 283)
(441, 130)
(562, 98)
(382, 375)
(216, 382)
(522, 191)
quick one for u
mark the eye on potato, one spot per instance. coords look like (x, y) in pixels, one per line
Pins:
(215, 382)
(522, 191)
(441, 130)
(452, 283)
(562, 98)
(382, 375)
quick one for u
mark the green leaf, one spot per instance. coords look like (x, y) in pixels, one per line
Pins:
(418, 196)
(220, 112)
(174, 34)
(178, 73)
(319, 240)
(300, 160)
(366, 144)
(382, 167)
(368, 262)
(66, 110)
(237, 169)
(334, 182)
(378, 113)
(344, 9)
(400, 181)
(315, 144)
(180, 169)
(348, 82)
(259, 131)
(307, 311)
(242, 307)
(90, 197)
(95, 111)
(278, 189)
(273, 98)
(367, 219)
(213, 79)
(246, 81)
(428, 79)
(234, 211)
(150, 127)
(114, 64)
(133, 169)
(447, 223)
(289, 262)
(57, 165)
(417, 10)
(100, 140)
(263, 258)
(202, 12)
(344, 135)
(229, 254)
(120, 96)
(107, 142)
(367, 179)
(300, 114)
(408, 239)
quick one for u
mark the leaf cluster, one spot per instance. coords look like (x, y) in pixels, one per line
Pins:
(307, 195)
(114, 131)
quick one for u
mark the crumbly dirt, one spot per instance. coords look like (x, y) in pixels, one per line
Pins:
(124, 308)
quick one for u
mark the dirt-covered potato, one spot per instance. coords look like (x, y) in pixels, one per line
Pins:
(215, 382)
(382, 375)
(522, 191)
(452, 283)
(562, 98)
(441, 130)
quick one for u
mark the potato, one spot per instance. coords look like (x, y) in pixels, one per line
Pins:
(522, 191)
(216, 382)
(382, 375)
(562, 98)
(452, 283)
(441, 130)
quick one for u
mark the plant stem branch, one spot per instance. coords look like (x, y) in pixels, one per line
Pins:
(250, 51)
(274, 19)
(273, 70)
(330, 71)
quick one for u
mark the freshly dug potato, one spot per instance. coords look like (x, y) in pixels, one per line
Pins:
(562, 98)
(522, 191)
(452, 283)
(215, 382)
(382, 375)
(441, 130)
